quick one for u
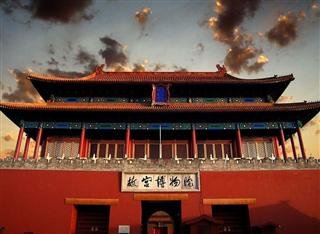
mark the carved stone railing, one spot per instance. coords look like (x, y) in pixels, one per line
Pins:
(102, 164)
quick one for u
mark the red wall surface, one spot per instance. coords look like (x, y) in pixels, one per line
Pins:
(33, 200)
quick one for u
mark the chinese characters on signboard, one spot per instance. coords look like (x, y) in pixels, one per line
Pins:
(150, 182)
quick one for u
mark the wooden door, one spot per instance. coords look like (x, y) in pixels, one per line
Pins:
(92, 219)
(234, 218)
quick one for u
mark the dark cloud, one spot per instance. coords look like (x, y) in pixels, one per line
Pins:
(238, 57)
(142, 16)
(35, 62)
(9, 6)
(57, 11)
(52, 62)
(231, 14)
(179, 68)
(8, 137)
(67, 74)
(158, 67)
(24, 91)
(200, 47)
(51, 49)
(113, 53)
(317, 132)
(285, 30)
(242, 53)
(88, 60)
(138, 67)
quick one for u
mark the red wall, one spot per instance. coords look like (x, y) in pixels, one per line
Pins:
(34, 200)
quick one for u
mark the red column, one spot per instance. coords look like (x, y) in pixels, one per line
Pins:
(128, 142)
(38, 140)
(239, 142)
(82, 141)
(194, 143)
(293, 148)
(303, 152)
(26, 148)
(276, 147)
(18, 145)
(282, 142)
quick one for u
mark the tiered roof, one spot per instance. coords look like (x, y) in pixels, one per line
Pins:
(216, 81)
(175, 111)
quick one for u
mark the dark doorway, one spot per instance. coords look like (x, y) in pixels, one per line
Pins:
(234, 218)
(161, 217)
(92, 219)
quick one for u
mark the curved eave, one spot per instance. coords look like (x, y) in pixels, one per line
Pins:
(17, 112)
(169, 107)
(159, 77)
(273, 86)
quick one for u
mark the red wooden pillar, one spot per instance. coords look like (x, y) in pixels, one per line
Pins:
(194, 143)
(303, 152)
(18, 145)
(282, 142)
(293, 148)
(276, 147)
(239, 142)
(82, 142)
(26, 148)
(38, 140)
(127, 153)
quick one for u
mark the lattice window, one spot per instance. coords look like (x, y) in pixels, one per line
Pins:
(245, 149)
(75, 149)
(218, 150)
(120, 150)
(201, 150)
(139, 150)
(111, 150)
(269, 149)
(58, 149)
(68, 148)
(210, 150)
(50, 149)
(93, 150)
(182, 150)
(252, 149)
(167, 151)
(102, 150)
(260, 147)
(154, 151)
(227, 148)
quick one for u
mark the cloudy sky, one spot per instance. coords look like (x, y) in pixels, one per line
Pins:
(252, 38)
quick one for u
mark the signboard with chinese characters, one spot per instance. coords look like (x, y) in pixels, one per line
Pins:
(158, 182)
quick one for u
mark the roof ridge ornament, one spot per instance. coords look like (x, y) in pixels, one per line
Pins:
(221, 70)
(99, 69)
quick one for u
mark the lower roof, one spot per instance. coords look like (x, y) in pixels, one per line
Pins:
(170, 112)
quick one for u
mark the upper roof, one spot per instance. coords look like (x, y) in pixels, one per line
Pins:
(100, 76)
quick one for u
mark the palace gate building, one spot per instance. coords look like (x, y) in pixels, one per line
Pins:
(159, 153)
